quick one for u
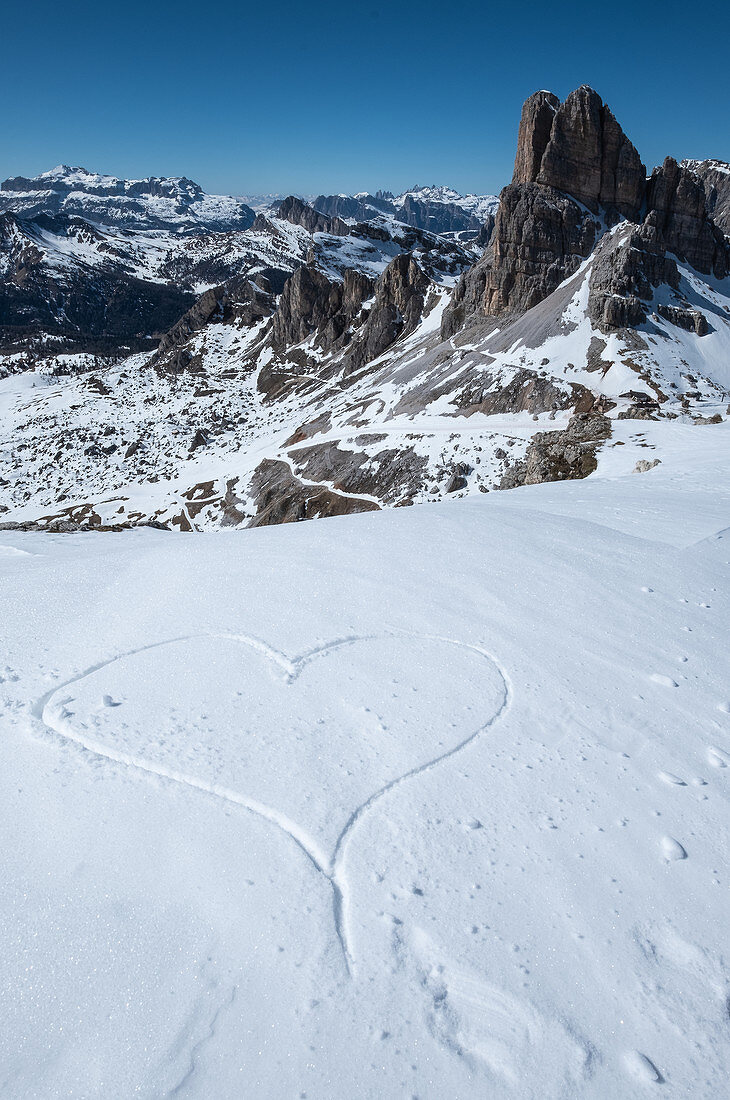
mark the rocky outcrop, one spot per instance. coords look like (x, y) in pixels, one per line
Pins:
(400, 294)
(677, 214)
(714, 175)
(527, 391)
(536, 123)
(393, 475)
(579, 148)
(564, 455)
(627, 267)
(280, 497)
(574, 161)
(239, 300)
(540, 238)
(312, 303)
(689, 319)
(296, 212)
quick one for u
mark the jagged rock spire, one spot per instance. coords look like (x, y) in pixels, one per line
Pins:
(579, 148)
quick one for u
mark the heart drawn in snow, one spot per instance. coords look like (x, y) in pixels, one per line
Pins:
(308, 742)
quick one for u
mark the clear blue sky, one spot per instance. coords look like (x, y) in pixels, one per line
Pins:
(340, 97)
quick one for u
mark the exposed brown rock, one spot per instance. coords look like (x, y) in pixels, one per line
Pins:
(678, 216)
(579, 148)
(536, 123)
(282, 498)
(301, 213)
(400, 294)
(562, 455)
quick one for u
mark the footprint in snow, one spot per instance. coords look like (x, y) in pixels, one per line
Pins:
(642, 1067)
(718, 758)
(672, 849)
(673, 780)
(664, 681)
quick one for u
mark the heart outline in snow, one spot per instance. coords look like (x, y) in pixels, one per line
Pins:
(54, 711)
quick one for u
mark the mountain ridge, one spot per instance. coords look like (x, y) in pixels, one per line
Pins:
(339, 363)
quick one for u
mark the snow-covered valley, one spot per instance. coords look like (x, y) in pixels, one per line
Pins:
(430, 802)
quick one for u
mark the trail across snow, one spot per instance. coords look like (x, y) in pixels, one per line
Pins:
(498, 757)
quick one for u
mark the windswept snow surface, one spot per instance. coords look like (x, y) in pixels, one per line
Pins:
(430, 802)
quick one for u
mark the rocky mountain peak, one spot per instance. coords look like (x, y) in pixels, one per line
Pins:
(536, 123)
(579, 148)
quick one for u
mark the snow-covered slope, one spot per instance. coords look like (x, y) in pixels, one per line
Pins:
(498, 866)
(428, 418)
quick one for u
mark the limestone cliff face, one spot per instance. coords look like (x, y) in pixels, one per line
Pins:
(677, 212)
(585, 153)
(714, 175)
(536, 123)
(576, 172)
(301, 213)
(400, 294)
(312, 303)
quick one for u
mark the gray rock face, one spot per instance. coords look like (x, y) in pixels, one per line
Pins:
(714, 175)
(282, 498)
(627, 267)
(400, 294)
(579, 148)
(540, 238)
(677, 213)
(526, 392)
(297, 212)
(563, 455)
(312, 303)
(536, 123)
(689, 319)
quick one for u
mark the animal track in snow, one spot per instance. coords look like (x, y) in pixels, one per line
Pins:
(489, 1028)
(672, 780)
(643, 1068)
(663, 681)
(230, 716)
(672, 849)
(718, 758)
